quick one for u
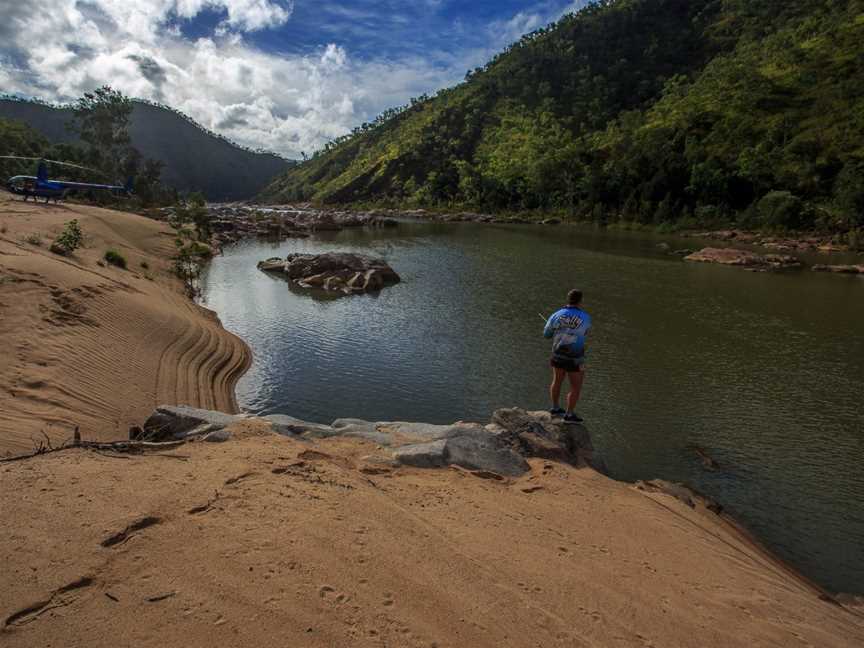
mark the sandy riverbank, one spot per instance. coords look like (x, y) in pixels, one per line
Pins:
(99, 347)
(265, 540)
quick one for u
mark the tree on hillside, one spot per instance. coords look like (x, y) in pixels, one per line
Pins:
(16, 138)
(102, 122)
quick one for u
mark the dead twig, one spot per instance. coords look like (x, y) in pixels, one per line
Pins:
(122, 447)
(111, 456)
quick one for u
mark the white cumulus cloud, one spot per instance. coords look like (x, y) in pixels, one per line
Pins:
(59, 49)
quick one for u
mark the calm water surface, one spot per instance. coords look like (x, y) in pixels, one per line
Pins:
(765, 371)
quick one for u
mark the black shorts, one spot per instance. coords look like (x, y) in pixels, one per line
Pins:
(567, 363)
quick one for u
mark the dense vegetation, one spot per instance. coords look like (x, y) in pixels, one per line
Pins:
(17, 138)
(647, 111)
(193, 158)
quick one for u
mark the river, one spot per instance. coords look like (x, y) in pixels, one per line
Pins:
(763, 371)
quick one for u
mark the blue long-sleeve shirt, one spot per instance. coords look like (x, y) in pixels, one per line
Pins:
(567, 328)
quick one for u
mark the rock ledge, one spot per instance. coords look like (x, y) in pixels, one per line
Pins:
(501, 447)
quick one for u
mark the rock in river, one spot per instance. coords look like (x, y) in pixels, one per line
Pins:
(840, 269)
(744, 258)
(334, 271)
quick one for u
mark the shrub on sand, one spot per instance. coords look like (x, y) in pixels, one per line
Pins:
(69, 240)
(115, 258)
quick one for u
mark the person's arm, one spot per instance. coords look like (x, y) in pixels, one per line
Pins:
(551, 326)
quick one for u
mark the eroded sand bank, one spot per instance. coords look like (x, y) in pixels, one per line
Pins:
(99, 347)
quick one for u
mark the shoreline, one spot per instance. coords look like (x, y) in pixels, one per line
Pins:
(89, 345)
(253, 219)
(802, 240)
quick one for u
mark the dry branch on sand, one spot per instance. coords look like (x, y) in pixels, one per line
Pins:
(121, 447)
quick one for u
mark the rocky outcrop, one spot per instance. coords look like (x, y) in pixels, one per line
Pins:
(234, 222)
(682, 493)
(536, 434)
(744, 259)
(334, 271)
(839, 269)
(273, 264)
(804, 243)
(667, 249)
(500, 447)
(182, 423)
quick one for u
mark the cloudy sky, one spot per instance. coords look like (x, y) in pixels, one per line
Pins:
(284, 75)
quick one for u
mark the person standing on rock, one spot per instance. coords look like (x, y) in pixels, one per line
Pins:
(567, 328)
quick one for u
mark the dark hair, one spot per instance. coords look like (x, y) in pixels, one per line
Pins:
(574, 297)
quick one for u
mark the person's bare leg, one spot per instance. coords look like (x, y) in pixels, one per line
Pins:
(555, 387)
(576, 378)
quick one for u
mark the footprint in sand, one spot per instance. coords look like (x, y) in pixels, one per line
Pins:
(330, 594)
(528, 589)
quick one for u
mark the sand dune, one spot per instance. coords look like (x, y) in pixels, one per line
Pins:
(266, 541)
(99, 347)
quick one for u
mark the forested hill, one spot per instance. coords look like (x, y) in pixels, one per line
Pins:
(195, 159)
(641, 110)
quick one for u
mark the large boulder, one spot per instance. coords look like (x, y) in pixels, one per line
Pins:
(323, 222)
(170, 423)
(334, 271)
(537, 434)
(744, 259)
(480, 450)
(294, 427)
(474, 449)
(685, 494)
(273, 264)
(423, 455)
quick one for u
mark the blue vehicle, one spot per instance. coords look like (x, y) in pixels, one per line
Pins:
(39, 186)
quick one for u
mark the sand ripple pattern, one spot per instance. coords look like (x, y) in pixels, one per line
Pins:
(97, 347)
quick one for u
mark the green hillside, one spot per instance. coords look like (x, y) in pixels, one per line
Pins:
(17, 138)
(653, 111)
(195, 159)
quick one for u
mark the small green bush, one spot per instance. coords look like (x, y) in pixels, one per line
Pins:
(201, 250)
(855, 240)
(849, 194)
(780, 209)
(33, 239)
(145, 265)
(69, 240)
(115, 258)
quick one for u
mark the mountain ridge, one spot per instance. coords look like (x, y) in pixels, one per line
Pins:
(654, 111)
(195, 158)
